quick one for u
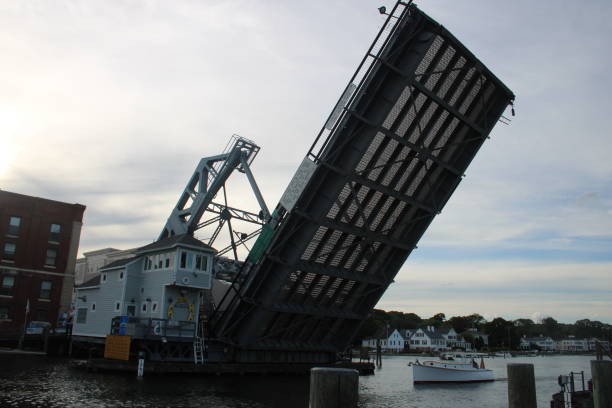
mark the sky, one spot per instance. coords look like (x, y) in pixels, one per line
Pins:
(112, 104)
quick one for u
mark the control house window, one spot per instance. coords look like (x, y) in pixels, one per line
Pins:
(54, 233)
(45, 289)
(117, 306)
(201, 262)
(51, 258)
(14, 225)
(9, 252)
(7, 283)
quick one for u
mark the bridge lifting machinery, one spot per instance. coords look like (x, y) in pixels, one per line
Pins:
(197, 201)
(391, 153)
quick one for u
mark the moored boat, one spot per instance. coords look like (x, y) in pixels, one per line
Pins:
(433, 371)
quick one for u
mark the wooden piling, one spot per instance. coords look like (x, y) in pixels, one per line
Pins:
(601, 371)
(521, 386)
(46, 340)
(378, 354)
(333, 388)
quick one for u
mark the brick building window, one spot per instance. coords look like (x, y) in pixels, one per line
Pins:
(8, 253)
(45, 289)
(51, 258)
(14, 224)
(7, 283)
(4, 312)
(54, 233)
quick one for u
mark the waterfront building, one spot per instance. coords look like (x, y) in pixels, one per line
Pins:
(157, 290)
(423, 339)
(454, 340)
(540, 342)
(395, 342)
(406, 333)
(434, 339)
(39, 240)
(475, 334)
(572, 344)
(428, 339)
(89, 266)
(381, 336)
(592, 343)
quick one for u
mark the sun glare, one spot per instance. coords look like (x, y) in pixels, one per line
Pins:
(7, 155)
(9, 125)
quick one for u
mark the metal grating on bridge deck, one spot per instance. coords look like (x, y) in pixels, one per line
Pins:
(393, 151)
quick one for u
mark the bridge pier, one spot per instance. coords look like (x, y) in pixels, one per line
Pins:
(333, 388)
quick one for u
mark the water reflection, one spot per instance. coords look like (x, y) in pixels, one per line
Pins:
(40, 382)
(34, 381)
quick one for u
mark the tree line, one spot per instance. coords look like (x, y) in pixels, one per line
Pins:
(502, 332)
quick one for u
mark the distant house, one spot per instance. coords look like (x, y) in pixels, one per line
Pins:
(541, 342)
(454, 340)
(422, 339)
(428, 339)
(395, 342)
(572, 344)
(593, 341)
(432, 339)
(379, 337)
(406, 333)
(475, 334)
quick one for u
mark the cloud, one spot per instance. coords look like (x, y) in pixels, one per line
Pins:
(113, 104)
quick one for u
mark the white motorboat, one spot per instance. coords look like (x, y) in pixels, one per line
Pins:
(433, 371)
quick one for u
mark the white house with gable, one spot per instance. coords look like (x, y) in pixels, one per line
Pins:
(428, 339)
(541, 342)
(395, 342)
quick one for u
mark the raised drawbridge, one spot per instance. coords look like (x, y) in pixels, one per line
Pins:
(393, 150)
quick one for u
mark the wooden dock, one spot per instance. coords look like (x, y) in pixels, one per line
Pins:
(216, 368)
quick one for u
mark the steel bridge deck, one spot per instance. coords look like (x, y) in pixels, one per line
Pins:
(389, 158)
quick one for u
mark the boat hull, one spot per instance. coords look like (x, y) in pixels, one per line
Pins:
(449, 373)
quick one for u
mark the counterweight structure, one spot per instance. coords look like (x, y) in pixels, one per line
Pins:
(392, 152)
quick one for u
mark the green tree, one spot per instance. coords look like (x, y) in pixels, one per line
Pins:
(551, 328)
(502, 333)
(461, 323)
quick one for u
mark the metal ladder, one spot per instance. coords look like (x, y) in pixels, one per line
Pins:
(198, 345)
(198, 350)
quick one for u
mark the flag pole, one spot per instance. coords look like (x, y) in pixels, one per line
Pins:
(25, 325)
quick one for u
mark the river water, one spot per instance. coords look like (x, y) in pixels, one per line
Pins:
(35, 381)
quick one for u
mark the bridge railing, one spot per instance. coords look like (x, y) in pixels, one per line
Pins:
(153, 328)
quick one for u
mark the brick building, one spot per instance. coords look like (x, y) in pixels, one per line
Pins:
(39, 239)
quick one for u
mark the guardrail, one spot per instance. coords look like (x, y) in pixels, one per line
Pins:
(153, 328)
